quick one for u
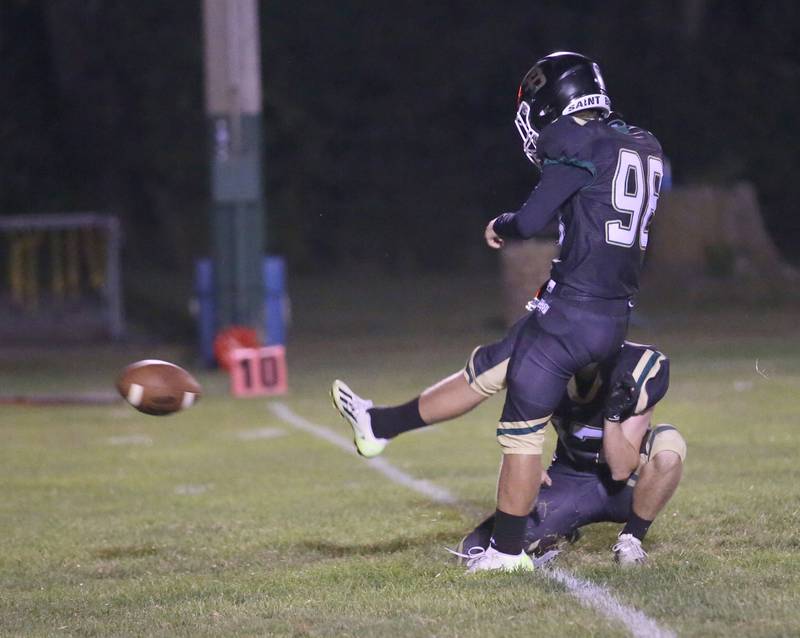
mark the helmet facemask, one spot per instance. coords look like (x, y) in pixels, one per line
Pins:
(528, 134)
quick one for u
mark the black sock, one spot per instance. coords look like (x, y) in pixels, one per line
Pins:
(389, 422)
(636, 526)
(509, 532)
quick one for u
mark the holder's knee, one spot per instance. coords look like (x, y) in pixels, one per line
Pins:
(665, 438)
(666, 461)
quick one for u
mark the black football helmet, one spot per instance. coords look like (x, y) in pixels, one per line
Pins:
(558, 84)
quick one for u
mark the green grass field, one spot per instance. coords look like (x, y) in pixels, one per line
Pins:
(225, 520)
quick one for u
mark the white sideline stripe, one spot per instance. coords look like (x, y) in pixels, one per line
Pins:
(588, 594)
(395, 474)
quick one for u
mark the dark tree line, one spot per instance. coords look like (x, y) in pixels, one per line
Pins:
(389, 126)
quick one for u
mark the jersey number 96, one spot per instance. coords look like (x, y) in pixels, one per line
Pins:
(635, 197)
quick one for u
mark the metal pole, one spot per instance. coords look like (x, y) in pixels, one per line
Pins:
(233, 106)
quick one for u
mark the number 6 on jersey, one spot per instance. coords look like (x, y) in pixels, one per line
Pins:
(629, 195)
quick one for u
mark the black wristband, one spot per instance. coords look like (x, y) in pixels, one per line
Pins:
(506, 226)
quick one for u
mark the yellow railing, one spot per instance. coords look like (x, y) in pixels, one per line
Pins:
(66, 263)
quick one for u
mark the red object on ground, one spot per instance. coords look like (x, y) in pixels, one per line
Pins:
(257, 372)
(230, 339)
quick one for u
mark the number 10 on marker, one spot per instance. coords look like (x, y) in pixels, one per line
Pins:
(258, 372)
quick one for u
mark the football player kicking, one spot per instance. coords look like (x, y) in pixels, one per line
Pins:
(601, 178)
(610, 463)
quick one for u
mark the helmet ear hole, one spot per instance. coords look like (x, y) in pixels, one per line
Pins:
(545, 116)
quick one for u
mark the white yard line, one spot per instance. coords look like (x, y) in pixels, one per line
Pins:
(588, 594)
(600, 599)
(259, 433)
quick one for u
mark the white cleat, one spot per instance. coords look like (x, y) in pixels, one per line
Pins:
(491, 560)
(628, 551)
(354, 410)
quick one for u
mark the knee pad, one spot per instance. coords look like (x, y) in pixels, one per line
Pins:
(485, 373)
(665, 437)
(522, 437)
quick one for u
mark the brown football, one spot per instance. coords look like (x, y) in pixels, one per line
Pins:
(158, 387)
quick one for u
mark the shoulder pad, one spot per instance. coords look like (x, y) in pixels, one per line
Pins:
(650, 370)
(646, 137)
(568, 140)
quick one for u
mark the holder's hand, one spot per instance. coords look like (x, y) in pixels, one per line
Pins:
(621, 400)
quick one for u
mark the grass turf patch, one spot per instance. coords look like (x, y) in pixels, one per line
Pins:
(115, 523)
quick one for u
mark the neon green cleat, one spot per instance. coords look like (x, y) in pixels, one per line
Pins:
(354, 410)
(492, 560)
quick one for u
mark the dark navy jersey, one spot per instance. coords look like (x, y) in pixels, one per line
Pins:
(604, 225)
(578, 420)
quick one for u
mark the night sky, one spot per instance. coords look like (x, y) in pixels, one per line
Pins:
(388, 126)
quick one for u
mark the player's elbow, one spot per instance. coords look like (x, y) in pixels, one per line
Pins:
(620, 475)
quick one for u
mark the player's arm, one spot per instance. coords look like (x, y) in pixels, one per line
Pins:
(558, 183)
(622, 430)
(629, 407)
(621, 444)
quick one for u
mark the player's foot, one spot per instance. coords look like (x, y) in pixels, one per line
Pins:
(541, 550)
(354, 410)
(492, 560)
(477, 539)
(628, 551)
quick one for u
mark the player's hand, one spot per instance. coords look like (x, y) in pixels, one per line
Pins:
(621, 400)
(546, 480)
(493, 240)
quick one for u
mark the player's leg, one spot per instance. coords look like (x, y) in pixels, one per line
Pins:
(536, 380)
(655, 482)
(573, 499)
(555, 342)
(516, 492)
(373, 427)
(448, 399)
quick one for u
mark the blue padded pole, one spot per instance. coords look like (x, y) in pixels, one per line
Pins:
(206, 320)
(274, 272)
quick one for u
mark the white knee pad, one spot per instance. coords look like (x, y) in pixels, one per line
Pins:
(665, 437)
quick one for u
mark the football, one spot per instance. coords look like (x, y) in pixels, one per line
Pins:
(158, 387)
